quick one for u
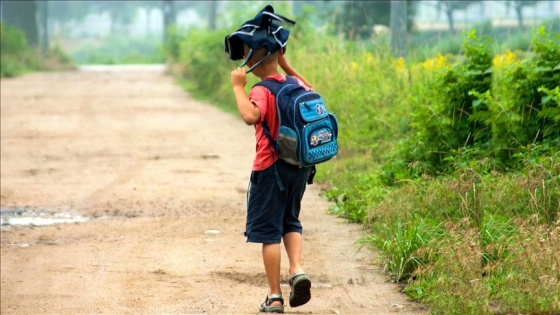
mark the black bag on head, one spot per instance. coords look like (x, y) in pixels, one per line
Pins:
(266, 29)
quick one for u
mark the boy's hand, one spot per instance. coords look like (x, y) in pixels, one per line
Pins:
(239, 78)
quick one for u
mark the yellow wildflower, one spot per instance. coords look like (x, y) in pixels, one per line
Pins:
(400, 64)
(504, 60)
(369, 59)
(354, 67)
(436, 63)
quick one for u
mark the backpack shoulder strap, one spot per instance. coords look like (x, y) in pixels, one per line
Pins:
(274, 87)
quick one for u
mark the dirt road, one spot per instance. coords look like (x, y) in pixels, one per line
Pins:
(162, 179)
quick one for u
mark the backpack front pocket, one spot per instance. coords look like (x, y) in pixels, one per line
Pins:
(313, 109)
(320, 142)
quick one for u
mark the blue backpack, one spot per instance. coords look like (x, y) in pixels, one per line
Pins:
(308, 132)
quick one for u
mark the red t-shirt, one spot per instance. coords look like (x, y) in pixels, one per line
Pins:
(266, 102)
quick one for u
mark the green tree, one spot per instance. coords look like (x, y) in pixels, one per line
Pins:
(518, 6)
(212, 10)
(150, 6)
(449, 7)
(66, 12)
(44, 27)
(169, 14)
(22, 14)
(358, 17)
(122, 13)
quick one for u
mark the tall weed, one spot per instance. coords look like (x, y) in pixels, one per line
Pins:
(451, 280)
(402, 243)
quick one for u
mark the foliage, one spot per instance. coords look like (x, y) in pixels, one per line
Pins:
(401, 243)
(206, 66)
(470, 112)
(446, 118)
(13, 41)
(22, 15)
(465, 239)
(17, 57)
(525, 107)
(522, 277)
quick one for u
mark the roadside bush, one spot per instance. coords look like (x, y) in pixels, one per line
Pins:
(446, 118)
(13, 40)
(16, 57)
(526, 85)
(205, 65)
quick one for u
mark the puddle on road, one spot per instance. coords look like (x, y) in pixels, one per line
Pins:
(35, 217)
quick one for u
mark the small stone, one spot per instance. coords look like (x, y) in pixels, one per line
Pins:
(212, 232)
(397, 306)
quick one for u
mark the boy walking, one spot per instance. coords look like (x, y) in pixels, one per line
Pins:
(276, 187)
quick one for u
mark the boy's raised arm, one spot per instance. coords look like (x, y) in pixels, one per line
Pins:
(289, 70)
(248, 111)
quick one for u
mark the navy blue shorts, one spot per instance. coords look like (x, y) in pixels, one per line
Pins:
(274, 202)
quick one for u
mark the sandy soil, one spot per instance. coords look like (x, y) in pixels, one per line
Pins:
(163, 178)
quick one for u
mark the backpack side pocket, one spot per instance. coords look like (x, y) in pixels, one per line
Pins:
(287, 145)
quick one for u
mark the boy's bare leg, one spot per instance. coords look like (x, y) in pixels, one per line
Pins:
(293, 244)
(271, 259)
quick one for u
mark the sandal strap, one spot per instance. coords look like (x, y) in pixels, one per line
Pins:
(295, 276)
(273, 298)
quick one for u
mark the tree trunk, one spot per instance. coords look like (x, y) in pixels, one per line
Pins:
(519, 13)
(398, 28)
(213, 8)
(168, 17)
(449, 14)
(22, 14)
(44, 18)
(113, 26)
(297, 7)
(148, 21)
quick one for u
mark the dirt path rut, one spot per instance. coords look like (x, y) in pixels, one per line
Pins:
(162, 178)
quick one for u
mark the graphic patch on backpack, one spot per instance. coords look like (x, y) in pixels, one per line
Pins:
(320, 136)
(321, 109)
